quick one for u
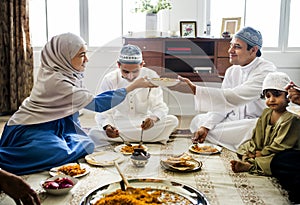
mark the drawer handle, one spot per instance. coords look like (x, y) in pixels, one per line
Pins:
(144, 47)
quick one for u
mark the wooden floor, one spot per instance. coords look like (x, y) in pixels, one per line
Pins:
(87, 120)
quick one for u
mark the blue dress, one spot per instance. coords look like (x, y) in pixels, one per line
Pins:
(26, 149)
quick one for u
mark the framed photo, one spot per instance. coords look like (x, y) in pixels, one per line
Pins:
(188, 29)
(231, 25)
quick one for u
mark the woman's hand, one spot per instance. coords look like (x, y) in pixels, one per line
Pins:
(200, 135)
(140, 83)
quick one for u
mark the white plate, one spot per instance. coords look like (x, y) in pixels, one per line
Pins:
(197, 166)
(202, 145)
(104, 158)
(54, 171)
(119, 148)
(293, 108)
(166, 82)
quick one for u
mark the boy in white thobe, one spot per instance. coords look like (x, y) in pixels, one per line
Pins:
(142, 109)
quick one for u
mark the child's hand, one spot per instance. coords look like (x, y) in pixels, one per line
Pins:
(258, 153)
(147, 124)
(111, 131)
(200, 135)
(250, 155)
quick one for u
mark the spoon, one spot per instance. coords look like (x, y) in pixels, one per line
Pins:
(296, 88)
(122, 176)
(125, 142)
(141, 141)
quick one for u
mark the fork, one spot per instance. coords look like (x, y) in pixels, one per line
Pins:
(125, 142)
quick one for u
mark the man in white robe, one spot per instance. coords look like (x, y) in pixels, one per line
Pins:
(235, 107)
(142, 109)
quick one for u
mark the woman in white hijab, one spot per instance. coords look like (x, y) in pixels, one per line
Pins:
(45, 131)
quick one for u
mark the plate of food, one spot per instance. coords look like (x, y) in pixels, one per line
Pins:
(71, 169)
(128, 150)
(205, 148)
(158, 191)
(166, 82)
(104, 158)
(293, 108)
(183, 162)
(59, 185)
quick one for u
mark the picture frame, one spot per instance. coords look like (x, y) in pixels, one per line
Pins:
(231, 25)
(188, 29)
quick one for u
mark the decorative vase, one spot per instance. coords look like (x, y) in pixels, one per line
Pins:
(151, 24)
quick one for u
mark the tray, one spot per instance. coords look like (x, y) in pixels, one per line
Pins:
(190, 193)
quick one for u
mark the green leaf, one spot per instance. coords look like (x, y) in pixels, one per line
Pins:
(148, 7)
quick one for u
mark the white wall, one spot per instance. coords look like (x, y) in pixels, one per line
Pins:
(102, 60)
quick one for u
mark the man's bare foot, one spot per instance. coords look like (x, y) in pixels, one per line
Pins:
(239, 166)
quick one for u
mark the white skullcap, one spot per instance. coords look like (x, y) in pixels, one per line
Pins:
(276, 81)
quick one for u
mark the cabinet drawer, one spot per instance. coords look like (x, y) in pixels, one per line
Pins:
(154, 63)
(222, 65)
(222, 50)
(148, 47)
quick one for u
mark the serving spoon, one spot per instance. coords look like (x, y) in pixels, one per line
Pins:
(125, 142)
(141, 141)
(123, 177)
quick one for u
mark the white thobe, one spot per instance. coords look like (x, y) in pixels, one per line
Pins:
(139, 104)
(235, 107)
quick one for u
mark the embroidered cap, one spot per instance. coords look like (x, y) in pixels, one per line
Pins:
(250, 36)
(276, 80)
(130, 54)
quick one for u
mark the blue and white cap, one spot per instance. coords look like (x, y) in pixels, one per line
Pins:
(130, 54)
(250, 36)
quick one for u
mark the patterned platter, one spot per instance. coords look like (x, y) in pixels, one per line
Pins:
(184, 193)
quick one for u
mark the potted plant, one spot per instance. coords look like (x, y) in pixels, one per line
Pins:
(151, 8)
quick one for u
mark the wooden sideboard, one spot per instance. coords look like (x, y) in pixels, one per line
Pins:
(199, 59)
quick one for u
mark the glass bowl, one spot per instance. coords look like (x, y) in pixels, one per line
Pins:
(139, 162)
(140, 158)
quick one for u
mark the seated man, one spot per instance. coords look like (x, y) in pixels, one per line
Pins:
(235, 107)
(142, 109)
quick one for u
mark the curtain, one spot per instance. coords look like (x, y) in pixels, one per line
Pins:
(16, 55)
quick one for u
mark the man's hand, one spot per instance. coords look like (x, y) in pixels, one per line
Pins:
(15, 187)
(200, 135)
(184, 86)
(111, 131)
(293, 93)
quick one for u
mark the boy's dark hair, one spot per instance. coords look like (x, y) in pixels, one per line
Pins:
(273, 91)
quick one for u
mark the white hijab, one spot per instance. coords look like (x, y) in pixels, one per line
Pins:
(58, 91)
